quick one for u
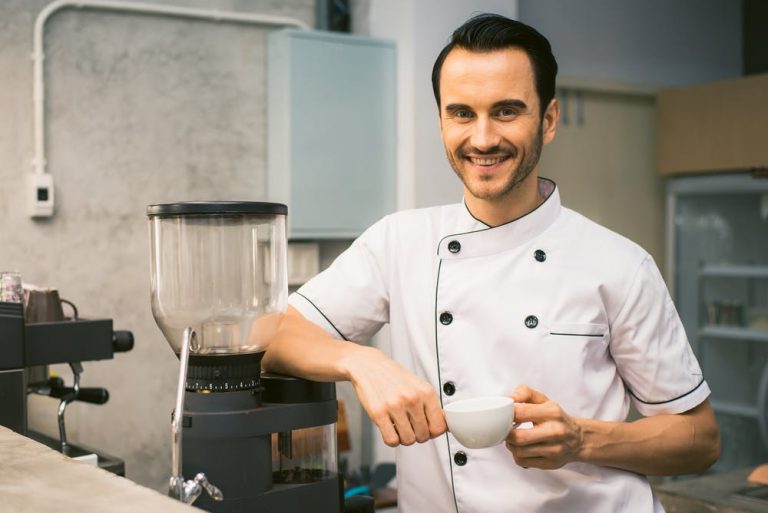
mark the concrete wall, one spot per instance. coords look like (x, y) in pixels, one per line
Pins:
(141, 110)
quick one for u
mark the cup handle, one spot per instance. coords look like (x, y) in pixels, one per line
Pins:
(72, 305)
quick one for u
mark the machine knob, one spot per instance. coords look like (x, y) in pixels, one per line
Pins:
(93, 395)
(122, 341)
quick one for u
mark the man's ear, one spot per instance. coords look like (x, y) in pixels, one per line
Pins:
(550, 120)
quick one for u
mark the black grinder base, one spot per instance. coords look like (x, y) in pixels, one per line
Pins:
(230, 414)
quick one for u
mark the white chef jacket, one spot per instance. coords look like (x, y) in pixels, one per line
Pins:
(551, 300)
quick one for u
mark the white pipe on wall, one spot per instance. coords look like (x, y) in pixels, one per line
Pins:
(39, 161)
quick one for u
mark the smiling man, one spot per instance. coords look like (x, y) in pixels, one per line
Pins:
(507, 293)
(493, 128)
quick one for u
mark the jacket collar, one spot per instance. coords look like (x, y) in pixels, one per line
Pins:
(473, 238)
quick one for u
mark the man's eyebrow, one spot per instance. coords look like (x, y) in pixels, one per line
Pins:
(513, 104)
(455, 107)
(508, 103)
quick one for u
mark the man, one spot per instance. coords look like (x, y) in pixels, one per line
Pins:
(508, 293)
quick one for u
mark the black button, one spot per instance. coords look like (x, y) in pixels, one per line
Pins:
(460, 458)
(454, 246)
(449, 388)
(531, 321)
(446, 318)
(539, 255)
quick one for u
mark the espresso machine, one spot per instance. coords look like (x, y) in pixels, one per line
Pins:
(28, 345)
(249, 441)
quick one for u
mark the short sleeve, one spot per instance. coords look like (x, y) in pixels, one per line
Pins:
(650, 348)
(350, 299)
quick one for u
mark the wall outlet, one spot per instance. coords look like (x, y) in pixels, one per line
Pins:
(40, 195)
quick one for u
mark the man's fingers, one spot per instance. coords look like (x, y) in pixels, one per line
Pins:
(543, 456)
(419, 423)
(537, 413)
(526, 394)
(542, 463)
(435, 417)
(388, 433)
(402, 423)
(541, 450)
(542, 433)
(380, 416)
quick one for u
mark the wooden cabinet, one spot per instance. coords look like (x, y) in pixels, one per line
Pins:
(716, 127)
(331, 136)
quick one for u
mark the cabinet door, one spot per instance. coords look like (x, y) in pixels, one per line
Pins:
(602, 161)
(713, 127)
(331, 109)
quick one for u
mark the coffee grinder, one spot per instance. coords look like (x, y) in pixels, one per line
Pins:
(253, 442)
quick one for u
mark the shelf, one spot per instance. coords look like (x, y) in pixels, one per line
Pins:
(735, 271)
(734, 333)
(740, 410)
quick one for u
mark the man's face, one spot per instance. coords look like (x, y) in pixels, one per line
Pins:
(490, 119)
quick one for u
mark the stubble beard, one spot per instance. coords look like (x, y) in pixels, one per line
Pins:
(526, 166)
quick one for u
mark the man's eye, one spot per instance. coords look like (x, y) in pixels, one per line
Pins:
(463, 114)
(507, 113)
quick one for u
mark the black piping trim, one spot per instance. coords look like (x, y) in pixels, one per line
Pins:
(575, 334)
(670, 400)
(324, 316)
(440, 388)
(473, 216)
(437, 347)
(450, 464)
(504, 224)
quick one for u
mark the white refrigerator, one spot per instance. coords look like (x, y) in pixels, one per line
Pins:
(717, 271)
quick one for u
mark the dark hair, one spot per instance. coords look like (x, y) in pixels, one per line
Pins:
(488, 32)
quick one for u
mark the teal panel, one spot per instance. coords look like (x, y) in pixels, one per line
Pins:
(341, 115)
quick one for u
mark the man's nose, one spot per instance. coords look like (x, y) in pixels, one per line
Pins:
(484, 135)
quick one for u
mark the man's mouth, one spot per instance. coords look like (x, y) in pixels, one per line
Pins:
(487, 161)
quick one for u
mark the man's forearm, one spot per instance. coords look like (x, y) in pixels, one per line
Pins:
(303, 349)
(404, 406)
(658, 445)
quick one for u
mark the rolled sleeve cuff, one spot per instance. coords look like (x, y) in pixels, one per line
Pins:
(312, 313)
(679, 404)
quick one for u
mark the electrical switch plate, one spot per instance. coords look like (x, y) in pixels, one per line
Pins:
(303, 262)
(40, 195)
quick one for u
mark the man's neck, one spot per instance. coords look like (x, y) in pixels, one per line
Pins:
(515, 204)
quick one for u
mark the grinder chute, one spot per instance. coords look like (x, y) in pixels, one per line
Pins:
(254, 442)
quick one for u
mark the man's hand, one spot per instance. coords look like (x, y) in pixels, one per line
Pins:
(555, 438)
(403, 406)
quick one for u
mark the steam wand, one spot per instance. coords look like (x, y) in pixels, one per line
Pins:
(77, 369)
(185, 491)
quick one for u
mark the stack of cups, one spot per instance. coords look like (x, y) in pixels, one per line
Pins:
(11, 290)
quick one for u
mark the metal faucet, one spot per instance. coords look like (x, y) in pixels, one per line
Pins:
(185, 491)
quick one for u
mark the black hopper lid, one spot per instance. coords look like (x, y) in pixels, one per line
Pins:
(191, 208)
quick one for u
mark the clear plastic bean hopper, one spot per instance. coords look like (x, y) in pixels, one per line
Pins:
(251, 441)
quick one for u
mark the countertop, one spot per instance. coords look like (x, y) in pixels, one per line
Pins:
(716, 493)
(34, 478)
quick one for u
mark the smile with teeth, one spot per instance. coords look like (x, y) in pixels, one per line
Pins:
(487, 161)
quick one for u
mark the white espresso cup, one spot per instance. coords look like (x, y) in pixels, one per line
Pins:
(481, 421)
